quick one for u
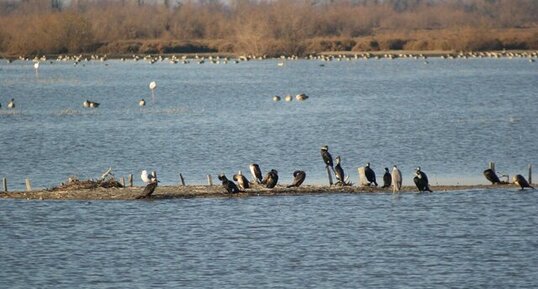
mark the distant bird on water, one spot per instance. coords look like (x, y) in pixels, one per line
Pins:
(387, 179)
(396, 179)
(231, 187)
(11, 103)
(152, 87)
(256, 173)
(142, 102)
(298, 179)
(301, 97)
(421, 181)
(522, 182)
(492, 176)
(276, 98)
(90, 104)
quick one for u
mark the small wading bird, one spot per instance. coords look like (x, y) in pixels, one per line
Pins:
(298, 179)
(492, 176)
(421, 181)
(241, 180)
(521, 181)
(271, 179)
(230, 186)
(370, 175)
(256, 173)
(396, 179)
(387, 179)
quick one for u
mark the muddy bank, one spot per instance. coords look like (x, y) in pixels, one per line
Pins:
(203, 191)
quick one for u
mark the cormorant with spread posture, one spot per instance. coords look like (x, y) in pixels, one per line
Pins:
(271, 179)
(421, 181)
(148, 190)
(387, 179)
(256, 173)
(492, 176)
(522, 182)
(298, 179)
(370, 175)
(241, 180)
(230, 186)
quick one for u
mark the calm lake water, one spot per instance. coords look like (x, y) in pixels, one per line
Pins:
(465, 239)
(451, 117)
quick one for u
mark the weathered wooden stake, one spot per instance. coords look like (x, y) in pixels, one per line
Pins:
(329, 175)
(181, 179)
(530, 174)
(28, 185)
(154, 174)
(492, 166)
(209, 180)
(123, 182)
(4, 183)
(130, 179)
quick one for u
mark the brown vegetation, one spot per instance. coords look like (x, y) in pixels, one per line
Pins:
(33, 27)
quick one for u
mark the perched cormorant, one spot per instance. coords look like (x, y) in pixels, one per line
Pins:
(256, 173)
(396, 179)
(387, 179)
(522, 182)
(271, 179)
(230, 186)
(421, 181)
(327, 158)
(339, 172)
(148, 190)
(298, 179)
(241, 180)
(370, 175)
(492, 176)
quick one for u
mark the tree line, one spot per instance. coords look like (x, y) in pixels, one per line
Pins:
(258, 27)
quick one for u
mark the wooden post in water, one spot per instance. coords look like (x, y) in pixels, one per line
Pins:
(181, 179)
(209, 180)
(4, 183)
(154, 173)
(28, 185)
(492, 166)
(130, 179)
(530, 174)
(329, 175)
(123, 182)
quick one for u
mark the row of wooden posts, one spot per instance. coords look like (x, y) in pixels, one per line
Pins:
(130, 179)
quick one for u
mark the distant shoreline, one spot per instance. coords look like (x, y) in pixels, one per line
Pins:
(217, 191)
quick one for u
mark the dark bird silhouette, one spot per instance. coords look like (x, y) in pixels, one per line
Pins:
(230, 186)
(241, 180)
(327, 158)
(256, 173)
(339, 172)
(271, 179)
(148, 190)
(492, 176)
(522, 182)
(421, 181)
(298, 179)
(387, 179)
(370, 175)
